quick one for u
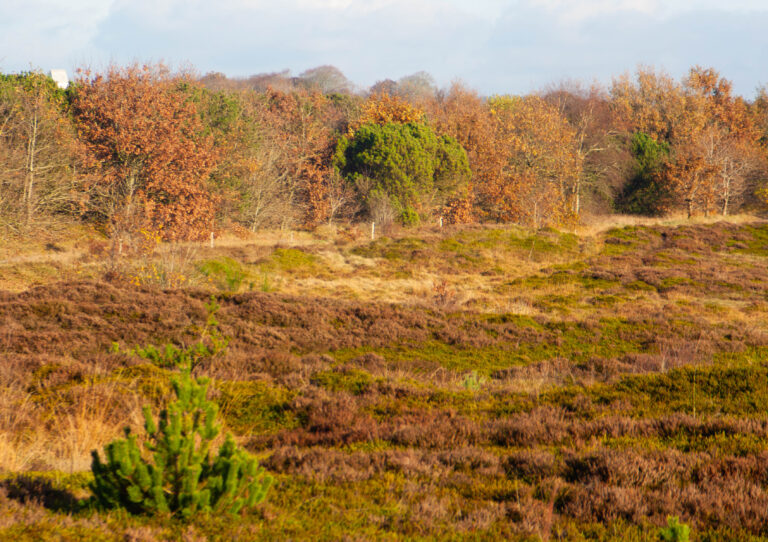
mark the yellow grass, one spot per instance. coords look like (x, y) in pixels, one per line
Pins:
(70, 255)
(595, 224)
(34, 438)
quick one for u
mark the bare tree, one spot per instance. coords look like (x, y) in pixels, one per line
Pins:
(37, 160)
(266, 195)
(341, 196)
(385, 86)
(417, 87)
(326, 79)
(587, 109)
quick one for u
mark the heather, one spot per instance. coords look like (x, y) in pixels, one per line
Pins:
(465, 382)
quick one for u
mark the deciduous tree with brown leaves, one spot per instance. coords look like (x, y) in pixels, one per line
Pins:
(540, 180)
(146, 147)
(385, 109)
(297, 138)
(723, 136)
(460, 113)
(715, 142)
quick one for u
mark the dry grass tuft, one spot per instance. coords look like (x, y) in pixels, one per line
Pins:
(60, 431)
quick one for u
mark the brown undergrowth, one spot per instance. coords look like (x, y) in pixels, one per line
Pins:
(635, 388)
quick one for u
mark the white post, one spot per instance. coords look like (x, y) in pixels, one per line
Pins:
(441, 222)
(211, 239)
(120, 247)
(373, 231)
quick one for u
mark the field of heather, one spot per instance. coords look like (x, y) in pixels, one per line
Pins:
(471, 383)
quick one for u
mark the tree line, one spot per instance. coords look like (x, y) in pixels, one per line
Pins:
(141, 147)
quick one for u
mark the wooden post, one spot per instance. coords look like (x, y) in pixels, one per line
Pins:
(120, 247)
(373, 231)
(211, 239)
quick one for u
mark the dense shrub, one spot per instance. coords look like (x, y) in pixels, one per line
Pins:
(182, 477)
(416, 169)
(176, 473)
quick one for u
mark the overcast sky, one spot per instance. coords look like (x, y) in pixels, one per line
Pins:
(496, 46)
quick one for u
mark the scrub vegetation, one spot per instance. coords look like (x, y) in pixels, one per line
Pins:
(470, 382)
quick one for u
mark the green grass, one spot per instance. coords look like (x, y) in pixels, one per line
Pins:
(255, 407)
(490, 250)
(756, 243)
(353, 381)
(291, 259)
(715, 390)
(226, 274)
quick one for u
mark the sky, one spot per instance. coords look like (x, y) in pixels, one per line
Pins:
(495, 46)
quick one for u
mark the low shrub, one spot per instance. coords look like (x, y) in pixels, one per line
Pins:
(177, 474)
(173, 470)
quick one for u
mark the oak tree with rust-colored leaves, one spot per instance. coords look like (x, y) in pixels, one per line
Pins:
(539, 182)
(384, 109)
(147, 149)
(460, 113)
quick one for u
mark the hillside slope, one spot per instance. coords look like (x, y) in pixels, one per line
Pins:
(483, 383)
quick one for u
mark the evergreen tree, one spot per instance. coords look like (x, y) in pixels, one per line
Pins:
(645, 194)
(173, 471)
(416, 169)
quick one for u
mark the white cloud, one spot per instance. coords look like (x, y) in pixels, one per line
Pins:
(368, 40)
(579, 10)
(531, 45)
(341, 4)
(39, 33)
(583, 9)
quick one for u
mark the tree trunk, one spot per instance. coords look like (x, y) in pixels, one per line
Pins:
(727, 185)
(130, 189)
(30, 173)
(577, 200)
